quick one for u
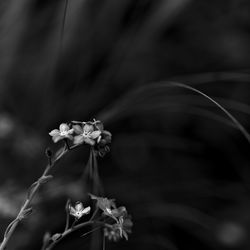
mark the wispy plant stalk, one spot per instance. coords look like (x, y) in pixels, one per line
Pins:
(74, 228)
(26, 209)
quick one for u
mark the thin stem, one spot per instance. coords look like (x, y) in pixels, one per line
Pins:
(91, 231)
(97, 186)
(67, 144)
(72, 229)
(67, 215)
(90, 163)
(94, 214)
(31, 193)
(88, 169)
(103, 242)
(229, 115)
(95, 239)
(73, 224)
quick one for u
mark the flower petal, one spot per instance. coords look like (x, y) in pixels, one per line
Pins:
(79, 206)
(86, 210)
(95, 134)
(71, 131)
(120, 211)
(57, 138)
(89, 141)
(107, 133)
(72, 210)
(64, 127)
(88, 128)
(78, 139)
(54, 132)
(78, 129)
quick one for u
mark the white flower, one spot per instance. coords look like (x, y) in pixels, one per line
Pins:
(64, 132)
(86, 134)
(78, 211)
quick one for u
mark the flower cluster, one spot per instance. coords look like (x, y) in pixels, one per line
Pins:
(115, 220)
(91, 132)
(119, 229)
(123, 223)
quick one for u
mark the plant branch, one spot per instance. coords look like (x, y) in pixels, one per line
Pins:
(31, 193)
(74, 228)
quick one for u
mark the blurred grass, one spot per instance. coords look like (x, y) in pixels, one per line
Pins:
(166, 149)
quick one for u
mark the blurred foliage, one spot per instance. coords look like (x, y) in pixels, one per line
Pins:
(175, 163)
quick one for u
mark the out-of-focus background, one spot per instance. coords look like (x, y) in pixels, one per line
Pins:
(177, 162)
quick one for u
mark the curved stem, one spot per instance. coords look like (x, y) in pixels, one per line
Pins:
(67, 215)
(94, 214)
(121, 107)
(228, 114)
(71, 230)
(31, 193)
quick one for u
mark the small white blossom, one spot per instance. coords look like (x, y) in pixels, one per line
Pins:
(86, 134)
(78, 211)
(64, 132)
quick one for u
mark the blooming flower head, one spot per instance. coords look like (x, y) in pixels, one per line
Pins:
(64, 132)
(123, 221)
(78, 210)
(119, 229)
(105, 204)
(86, 133)
(92, 133)
(109, 208)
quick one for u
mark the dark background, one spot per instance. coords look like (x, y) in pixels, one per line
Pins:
(176, 163)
